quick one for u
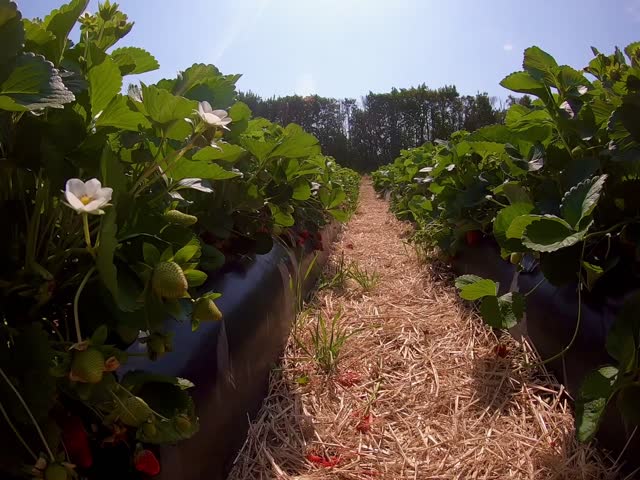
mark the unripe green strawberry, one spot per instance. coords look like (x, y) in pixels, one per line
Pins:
(204, 310)
(156, 344)
(149, 429)
(56, 471)
(134, 411)
(168, 281)
(515, 258)
(183, 424)
(87, 365)
(177, 217)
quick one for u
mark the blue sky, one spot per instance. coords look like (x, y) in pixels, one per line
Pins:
(346, 48)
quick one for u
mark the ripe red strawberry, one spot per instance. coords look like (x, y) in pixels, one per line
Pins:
(473, 237)
(146, 462)
(168, 281)
(76, 441)
(205, 310)
(87, 366)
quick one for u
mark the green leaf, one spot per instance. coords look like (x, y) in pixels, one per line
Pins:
(594, 272)
(112, 173)
(260, 138)
(211, 259)
(338, 196)
(105, 82)
(418, 204)
(580, 201)
(193, 169)
(281, 217)
(203, 82)
(226, 152)
(12, 33)
(534, 125)
(60, 22)
(151, 254)
(240, 113)
(597, 389)
(118, 114)
(627, 402)
(133, 60)
(628, 113)
(632, 51)
(195, 278)
(570, 80)
(186, 253)
(503, 221)
(339, 215)
(518, 225)
(164, 107)
(562, 266)
(106, 251)
(36, 36)
(167, 254)
(33, 84)
(624, 333)
(514, 192)
(301, 190)
(549, 233)
(99, 335)
(296, 143)
(523, 82)
(503, 312)
(473, 287)
(539, 64)
(137, 378)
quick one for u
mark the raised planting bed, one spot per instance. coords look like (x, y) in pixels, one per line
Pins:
(549, 324)
(229, 361)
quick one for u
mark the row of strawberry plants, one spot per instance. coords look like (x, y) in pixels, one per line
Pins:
(556, 185)
(116, 208)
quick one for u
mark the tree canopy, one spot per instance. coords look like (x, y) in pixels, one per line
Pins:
(369, 133)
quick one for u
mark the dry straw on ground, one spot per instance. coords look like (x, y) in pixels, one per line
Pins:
(422, 391)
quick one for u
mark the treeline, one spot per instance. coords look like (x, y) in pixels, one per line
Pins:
(364, 135)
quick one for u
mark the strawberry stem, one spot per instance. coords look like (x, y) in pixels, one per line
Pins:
(87, 234)
(17, 434)
(76, 300)
(28, 410)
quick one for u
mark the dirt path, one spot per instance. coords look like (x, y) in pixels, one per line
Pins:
(421, 390)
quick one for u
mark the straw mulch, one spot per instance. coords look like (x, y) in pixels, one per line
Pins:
(422, 390)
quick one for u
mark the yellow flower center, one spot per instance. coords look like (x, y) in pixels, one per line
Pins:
(85, 199)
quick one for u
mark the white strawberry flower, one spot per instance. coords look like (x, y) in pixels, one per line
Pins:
(216, 118)
(87, 197)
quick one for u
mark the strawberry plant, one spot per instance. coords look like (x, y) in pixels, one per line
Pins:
(117, 209)
(555, 185)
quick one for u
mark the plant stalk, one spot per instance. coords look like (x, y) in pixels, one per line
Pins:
(16, 433)
(28, 410)
(76, 301)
